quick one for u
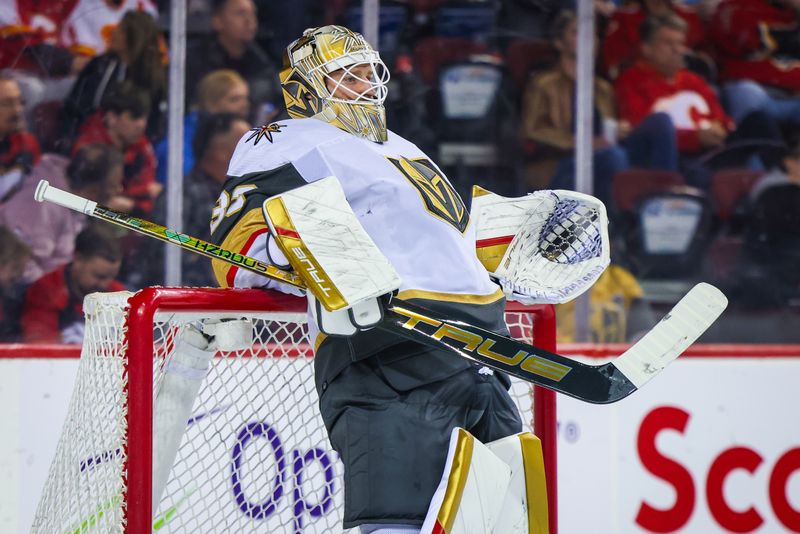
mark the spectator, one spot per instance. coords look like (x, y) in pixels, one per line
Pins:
(214, 142)
(19, 150)
(121, 123)
(772, 240)
(33, 51)
(758, 46)
(659, 82)
(233, 47)
(13, 256)
(134, 56)
(95, 172)
(220, 91)
(548, 120)
(53, 308)
(618, 312)
(88, 29)
(622, 40)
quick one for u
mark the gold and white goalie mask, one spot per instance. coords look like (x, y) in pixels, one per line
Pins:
(334, 75)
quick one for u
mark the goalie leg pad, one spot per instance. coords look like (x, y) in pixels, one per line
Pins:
(525, 507)
(472, 491)
(172, 406)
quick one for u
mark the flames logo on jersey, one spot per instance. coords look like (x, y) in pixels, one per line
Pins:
(264, 132)
(440, 199)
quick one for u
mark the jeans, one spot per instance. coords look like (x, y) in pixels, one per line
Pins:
(652, 144)
(746, 96)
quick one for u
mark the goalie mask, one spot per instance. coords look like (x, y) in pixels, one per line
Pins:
(352, 99)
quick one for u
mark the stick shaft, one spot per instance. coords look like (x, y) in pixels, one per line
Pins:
(590, 383)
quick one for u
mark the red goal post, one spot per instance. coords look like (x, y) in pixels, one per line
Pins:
(254, 453)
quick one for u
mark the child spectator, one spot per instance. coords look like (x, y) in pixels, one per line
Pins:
(134, 56)
(121, 123)
(13, 256)
(19, 150)
(548, 119)
(53, 308)
(220, 91)
(95, 172)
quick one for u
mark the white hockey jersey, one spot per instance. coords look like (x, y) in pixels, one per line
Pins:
(402, 199)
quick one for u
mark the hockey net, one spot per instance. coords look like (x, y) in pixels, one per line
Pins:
(254, 455)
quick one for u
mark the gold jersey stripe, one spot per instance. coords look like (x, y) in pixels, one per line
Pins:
(459, 470)
(408, 294)
(319, 339)
(535, 483)
(253, 221)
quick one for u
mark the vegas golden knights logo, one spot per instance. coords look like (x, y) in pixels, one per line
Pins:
(440, 199)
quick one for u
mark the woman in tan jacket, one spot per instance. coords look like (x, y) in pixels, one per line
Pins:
(548, 119)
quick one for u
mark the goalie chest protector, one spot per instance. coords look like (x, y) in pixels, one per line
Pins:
(402, 199)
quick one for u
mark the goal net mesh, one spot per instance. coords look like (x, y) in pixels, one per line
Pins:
(254, 456)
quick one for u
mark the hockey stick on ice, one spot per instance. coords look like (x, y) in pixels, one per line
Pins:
(599, 384)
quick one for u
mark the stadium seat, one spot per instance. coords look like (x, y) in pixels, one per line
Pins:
(631, 185)
(729, 188)
(664, 223)
(432, 52)
(524, 56)
(469, 20)
(729, 191)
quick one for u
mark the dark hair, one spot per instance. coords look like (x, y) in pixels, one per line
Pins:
(92, 164)
(210, 126)
(650, 26)
(11, 246)
(142, 42)
(560, 23)
(126, 96)
(98, 242)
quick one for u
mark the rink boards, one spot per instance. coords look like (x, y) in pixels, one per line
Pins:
(712, 445)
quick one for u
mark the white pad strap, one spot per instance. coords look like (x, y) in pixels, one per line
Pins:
(470, 496)
(547, 247)
(326, 245)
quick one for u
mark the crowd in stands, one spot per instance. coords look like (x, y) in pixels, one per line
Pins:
(687, 95)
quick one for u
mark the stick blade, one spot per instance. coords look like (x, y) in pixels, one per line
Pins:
(686, 322)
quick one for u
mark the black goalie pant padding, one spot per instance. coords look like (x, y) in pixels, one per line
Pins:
(394, 444)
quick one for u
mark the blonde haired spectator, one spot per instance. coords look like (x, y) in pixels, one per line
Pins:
(220, 91)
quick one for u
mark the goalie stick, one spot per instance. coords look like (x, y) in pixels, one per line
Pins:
(599, 384)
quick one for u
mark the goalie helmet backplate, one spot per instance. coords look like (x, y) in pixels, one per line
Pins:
(309, 61)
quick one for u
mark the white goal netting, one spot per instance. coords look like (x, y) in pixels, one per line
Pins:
(254, 456)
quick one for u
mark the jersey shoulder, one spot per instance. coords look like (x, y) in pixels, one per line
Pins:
(276, 144)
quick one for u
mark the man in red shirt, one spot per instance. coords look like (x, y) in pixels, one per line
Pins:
(659, 82)
(121, 123)
(53, 308)
(621, 43)
(19, 150)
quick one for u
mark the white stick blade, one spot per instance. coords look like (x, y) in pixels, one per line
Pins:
(687, 321)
